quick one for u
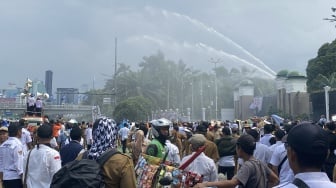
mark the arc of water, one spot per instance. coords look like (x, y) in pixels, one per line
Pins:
(204, 46)
(220, 35)
(234, 57)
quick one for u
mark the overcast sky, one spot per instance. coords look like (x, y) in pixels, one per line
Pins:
(75, 38)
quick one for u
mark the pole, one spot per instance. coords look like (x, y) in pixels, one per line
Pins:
(326, 93)
(115, 72)
(202, 92)
(216, 96)
(192, 99)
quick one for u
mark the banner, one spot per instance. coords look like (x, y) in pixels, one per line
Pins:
(256, 103)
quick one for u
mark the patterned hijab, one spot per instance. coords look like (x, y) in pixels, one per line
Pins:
(104, 137)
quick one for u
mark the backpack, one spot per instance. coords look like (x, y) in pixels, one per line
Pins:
(82, 173)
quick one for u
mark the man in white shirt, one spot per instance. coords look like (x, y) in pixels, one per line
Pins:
(202, 164)
(262, 152)
(31, 105)
(11, 159)
(173, 153)
(123, 133)
(26, 138)
(268, 128)
(38, 107)
(307, 148)
(44, 161)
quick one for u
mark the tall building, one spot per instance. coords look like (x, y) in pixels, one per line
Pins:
(48, 81)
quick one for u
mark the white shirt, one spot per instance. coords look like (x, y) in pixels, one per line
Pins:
(226, 161)
(274, 146)
(88, 133)
(123, 132)
(265, 139)
(31, 101)
(53, 142)
(173, 154)
(11, 159)
(286, 173)
(43, 164)
(202, 165)
(313, 180)
(38, 103)
(262, 152)
(25, 139)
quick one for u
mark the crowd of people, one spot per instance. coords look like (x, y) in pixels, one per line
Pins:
(224, 154)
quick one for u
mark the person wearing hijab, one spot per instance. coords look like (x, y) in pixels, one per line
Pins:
(118, 170)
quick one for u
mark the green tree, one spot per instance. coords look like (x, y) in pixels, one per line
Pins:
(320, 70)
(134, 109)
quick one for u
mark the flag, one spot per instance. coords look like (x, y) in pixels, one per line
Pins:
(256, 103)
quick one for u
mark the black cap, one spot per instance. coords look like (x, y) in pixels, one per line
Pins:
(308, 139)
(44, 131)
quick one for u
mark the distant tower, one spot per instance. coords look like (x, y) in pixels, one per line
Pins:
(48, 81)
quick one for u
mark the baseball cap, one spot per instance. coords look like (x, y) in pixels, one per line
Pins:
(308, 139)
(3, 128)
(197, 140)
(44, 131)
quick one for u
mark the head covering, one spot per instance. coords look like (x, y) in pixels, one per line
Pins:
(3, 128)
(45, 131)
(197, 140)
(308, 139)
(104, 136)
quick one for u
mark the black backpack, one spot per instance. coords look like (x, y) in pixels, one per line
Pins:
(82, 173)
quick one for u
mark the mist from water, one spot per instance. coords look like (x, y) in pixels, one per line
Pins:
(200, 47)
(220, 35)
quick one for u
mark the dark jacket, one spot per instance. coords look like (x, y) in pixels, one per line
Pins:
(70, 151)
(226, 146)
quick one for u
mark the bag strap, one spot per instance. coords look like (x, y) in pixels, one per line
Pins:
(106, 155)
(261, 168)
(281, 163)
(26, 171)
(192, 158)
(299, 183)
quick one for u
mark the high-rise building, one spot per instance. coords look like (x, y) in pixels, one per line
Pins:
(48, 81)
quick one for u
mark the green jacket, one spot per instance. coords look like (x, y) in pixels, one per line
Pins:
(226, 146)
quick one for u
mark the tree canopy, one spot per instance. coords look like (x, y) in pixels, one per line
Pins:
(164, 85)
(321, 69)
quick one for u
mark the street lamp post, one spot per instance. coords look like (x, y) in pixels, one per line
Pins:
(216, 97)
(326, 93)
(192, 100)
